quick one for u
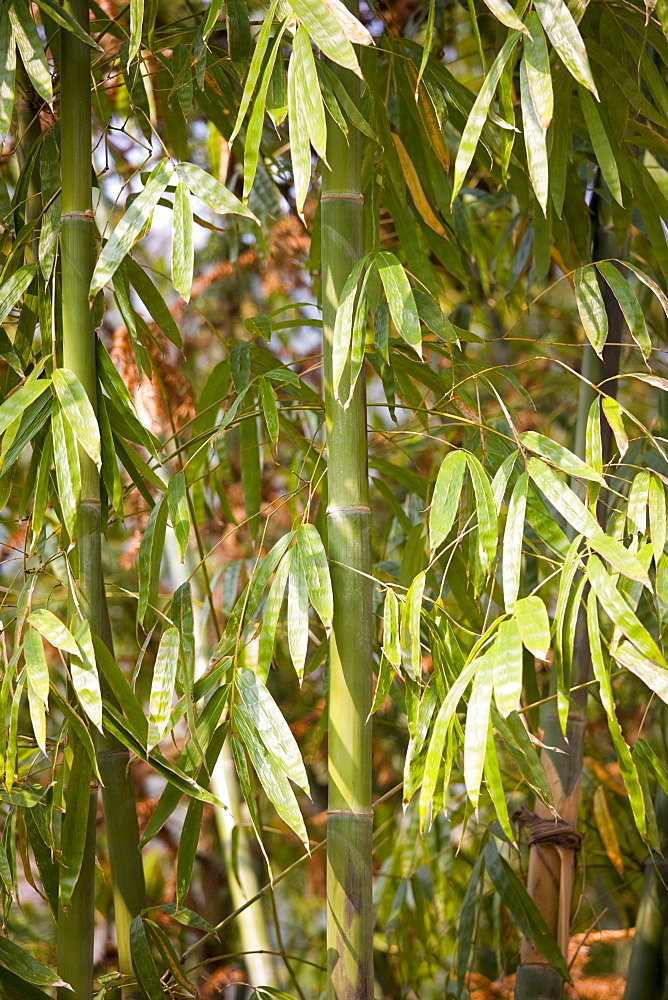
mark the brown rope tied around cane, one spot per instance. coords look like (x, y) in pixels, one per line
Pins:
(552, 832)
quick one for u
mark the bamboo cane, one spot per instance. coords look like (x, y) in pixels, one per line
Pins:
(350, 816)
(76, 926)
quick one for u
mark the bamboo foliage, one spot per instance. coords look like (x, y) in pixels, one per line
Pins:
(490, 545)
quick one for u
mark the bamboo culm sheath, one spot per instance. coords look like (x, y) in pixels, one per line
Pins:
(350, 818)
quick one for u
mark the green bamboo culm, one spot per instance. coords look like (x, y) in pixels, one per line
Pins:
(350, 816)
(76, 923)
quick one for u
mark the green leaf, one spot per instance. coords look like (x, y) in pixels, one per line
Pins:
(85, 679)
(621, 614)
(22, 964)
(274, 731)
(624, 758)
(136, 25)
(15, 286)
(523, 910)
(31, 49)
(650, 670)
(272, 611)
(391, 643)
(14, 406)
(7, 70)
(128, 229)
(214, 194)
(657, 516)
(300, 148)
(591, 307)
(400, 299)
(601, 145)
(535, 141)
(297, 613)
(259, 49)
(512, 541)
(563, 32)
(143, 962)
(256, 122)
(445, 500)
(269, 409)
(316, 570)
(411, 653)
(563, 498)
(53, 629)
(343, 324)
(177, 504)
(154, 302)
(478, 114)
(559, 456)
(119, 686)
(150, 557)
(61, 16)
(36, 665)
(326, 32)
(162, 686)
(619, 557)
(629, 305)
(486, 511)
(477, 726)
(188, 844)
(539, 77)
(78, 411)
(183, 254)
(306, 82)
(76, 823)
(507, 667)
(534, 625)
(494, 784)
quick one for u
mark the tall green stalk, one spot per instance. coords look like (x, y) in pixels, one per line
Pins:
(552, 865)
(76, 923)
(350, 816)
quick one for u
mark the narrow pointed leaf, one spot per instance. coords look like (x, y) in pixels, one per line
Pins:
(629, 305)
(512, 541)
(327, 33)
(297, 613)
(534, 625)
(53, 629)
(411, 653)
(177, 504)
(78, 411)
(601, 145)
(563, 32)
(391, 643)
(316, 569)
(535, 141)
(477, 726)
(400, 299)
(591, 307)
(507, 667)
(162, 686)
(31, 49)
(85, 679)
(183, 254)
(214, 194)
(272, 610)
(445, 501)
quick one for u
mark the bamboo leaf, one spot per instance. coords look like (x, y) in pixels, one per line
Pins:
(53, 629)
(162, 686)
(353, 29)
(183, 254)
(400, 299)
(486, 511)
(534, 141)
(559, 456)
(563, 32)
(593, 445)
(272, 611)
(85, 679)
(306, 81)
(619, 557)
(270, 773)
(477, 726)
(256, 122)
(620, 613)
(269, 409)
(154, 302)
(327, 33)
(601, 145)
(15, 405)
(37, 711)
(75, 824)
(343, 325)
(22, 964)
(504, 13)
(257, 60)
(445, 500)
(188, 844)
(12, 290)
(478, 114)
(651, 670)
(629, 305)
(297, 614)
(214, 194)
(624, 758)
(415, 187)
(131, 225)
(512, 541)
(534, 625)
(150, 557)
(411, 653)
(65, 20)
(177, 504)
(606, 829)
(316, 569)
(36, 665)
(31, 49)
(78, 411)
(274, 731)
(391, 643)
(539, 77)
(7, 70)
(563, 498)
(507, 667)
(657, 516)
(136, 25)
(494, 783)
(143, 962)
(591, 307)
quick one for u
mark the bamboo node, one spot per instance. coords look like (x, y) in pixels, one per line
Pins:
(343, 196)
(88, 214)
(334, 509)
(351, 812)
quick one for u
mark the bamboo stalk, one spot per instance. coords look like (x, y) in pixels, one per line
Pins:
(350, 816)
(551, 868)
(79, 355)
